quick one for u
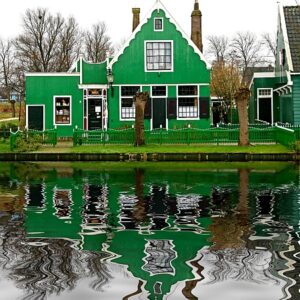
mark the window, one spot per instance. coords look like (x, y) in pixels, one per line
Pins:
(159, 91)
(159, 56)
(158, 24)
(62, 203)
(62, 110)
(188, 101)
(127, 104)
(265, 92)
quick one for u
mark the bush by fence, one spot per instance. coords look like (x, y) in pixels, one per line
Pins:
(31, 140)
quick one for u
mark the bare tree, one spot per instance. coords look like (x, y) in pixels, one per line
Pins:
(48, 43)
(70, 42)
(97, 43)
(7, 66)
(270, 43)
(247, 51)
(37, 45)
(218, 47)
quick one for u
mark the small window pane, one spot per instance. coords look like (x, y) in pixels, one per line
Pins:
(158, 24)
(187, 90)
(129, 90)
(159, 91)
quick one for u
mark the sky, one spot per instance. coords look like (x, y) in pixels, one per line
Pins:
(219, 17)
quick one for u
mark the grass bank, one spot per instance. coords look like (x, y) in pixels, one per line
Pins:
(176, 149)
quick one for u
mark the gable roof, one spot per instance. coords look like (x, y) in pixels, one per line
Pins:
(157, 6)
(291, 30)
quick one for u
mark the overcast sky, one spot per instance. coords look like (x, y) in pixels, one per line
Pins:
(219, 16)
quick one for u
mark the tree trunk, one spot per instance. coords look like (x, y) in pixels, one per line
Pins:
(13, 106)
(140, 103)
(242, 100)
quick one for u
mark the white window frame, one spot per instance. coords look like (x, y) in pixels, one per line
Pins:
(191, 96)
(162, 25)
(28, 105)
(262, 97)
(128, 97)
(54, 110)
(172, 55)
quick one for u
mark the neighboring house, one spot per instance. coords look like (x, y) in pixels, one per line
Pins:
(158, 58)
(276, 95)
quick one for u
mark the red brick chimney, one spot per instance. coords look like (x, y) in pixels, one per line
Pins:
(136, 18)
(196, 34)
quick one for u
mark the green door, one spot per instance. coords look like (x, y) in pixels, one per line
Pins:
(159, 113)
(95, 114)
(265, 109)
(35, 115)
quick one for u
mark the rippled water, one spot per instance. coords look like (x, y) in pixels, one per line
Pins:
(157, 231)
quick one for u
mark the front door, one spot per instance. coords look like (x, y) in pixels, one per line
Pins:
(95, 114)
(159, 113)
(265, 109)
(35, 117)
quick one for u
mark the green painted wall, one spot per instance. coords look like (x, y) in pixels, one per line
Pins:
(296, 98)
(188, 68)
(263, 83)
(42, 89)
(93, 73)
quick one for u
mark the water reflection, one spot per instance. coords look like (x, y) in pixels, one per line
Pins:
(150, 233)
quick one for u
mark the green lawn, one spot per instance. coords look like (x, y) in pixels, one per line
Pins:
(4, 146)
(67, 147)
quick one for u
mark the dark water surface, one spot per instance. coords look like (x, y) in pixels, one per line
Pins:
(158, 231)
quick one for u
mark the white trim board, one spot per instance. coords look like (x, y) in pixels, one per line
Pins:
(52, 74)
(285, 38)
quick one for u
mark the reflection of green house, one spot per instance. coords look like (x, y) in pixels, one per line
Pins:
(160, 267)
(90, 207)
(158, 58)
(276, 95)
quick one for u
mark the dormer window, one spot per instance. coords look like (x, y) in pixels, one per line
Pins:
(158, 24)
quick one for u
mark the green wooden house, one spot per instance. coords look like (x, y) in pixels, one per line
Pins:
(276, 95)
(158, 57)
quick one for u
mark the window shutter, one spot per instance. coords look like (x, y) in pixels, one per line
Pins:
(148, 109)
(172, 108)
(204, 107)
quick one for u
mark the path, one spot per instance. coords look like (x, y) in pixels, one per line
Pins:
(9, 119)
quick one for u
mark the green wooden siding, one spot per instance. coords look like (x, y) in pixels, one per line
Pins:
(296, 98)
(93, 73)
(42, 89)
(188, 68)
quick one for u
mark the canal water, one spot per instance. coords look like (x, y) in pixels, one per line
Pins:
(149, 231)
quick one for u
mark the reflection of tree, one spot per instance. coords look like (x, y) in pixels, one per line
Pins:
(191, 284)
(232, 229)
(140, 211)
(42, 267)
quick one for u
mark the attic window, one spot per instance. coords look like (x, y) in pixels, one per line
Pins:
(158, 24)
(159, 56)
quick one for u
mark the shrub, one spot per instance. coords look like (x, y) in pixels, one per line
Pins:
(26, 142)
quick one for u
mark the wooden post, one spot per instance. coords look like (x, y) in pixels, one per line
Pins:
(242, 100)
(140, 100)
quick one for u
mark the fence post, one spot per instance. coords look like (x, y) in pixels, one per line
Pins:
(160, 134)
(11, 140)
(104, 136)
(188, 134)
(75, 141)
